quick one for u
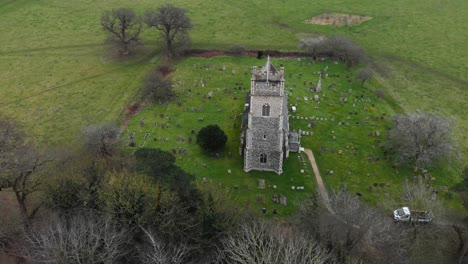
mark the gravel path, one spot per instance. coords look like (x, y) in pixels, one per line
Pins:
(321, 187)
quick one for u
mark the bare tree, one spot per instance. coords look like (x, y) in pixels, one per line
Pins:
(379, 93)
(421, 139)
(345, 50)
(352, 230)
(21, 167)
(100, 139)
(262, 242)
(156, 251)
(84, 237)
(156, 87)
(123, 26)
(174, 25)
(336, 47)
(364, 74)
(313, 45)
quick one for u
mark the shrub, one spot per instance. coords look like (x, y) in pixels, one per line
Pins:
(211, 138)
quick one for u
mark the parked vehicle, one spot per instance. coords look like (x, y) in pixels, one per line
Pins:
(404, 214)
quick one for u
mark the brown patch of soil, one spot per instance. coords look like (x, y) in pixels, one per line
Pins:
(337, 20)
(164, 70)
(205, 53)
(249, 53)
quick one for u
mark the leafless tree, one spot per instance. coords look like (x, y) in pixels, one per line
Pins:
(421, 139)
(344, 49)
(21, 167)
(84, 237)
(156, 251)
(352, 230)
(174, 25)
(313, 45)
(261, 242)
(123, 26)
(364, 74)
(156, 87)
(336, 47)
(100, 139)
(379, 93)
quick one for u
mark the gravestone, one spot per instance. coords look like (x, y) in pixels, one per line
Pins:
(274, 198)
(142, 122)
(261, 183)
(259, 198)
(283, 200)
(319, 84)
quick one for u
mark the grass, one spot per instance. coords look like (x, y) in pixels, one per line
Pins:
(56, 75)
(363, 113)
(52, 52)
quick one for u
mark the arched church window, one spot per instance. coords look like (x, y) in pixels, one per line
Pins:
(263, 158)
(266, 110)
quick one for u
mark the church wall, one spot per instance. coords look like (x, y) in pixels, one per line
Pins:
(275, 103)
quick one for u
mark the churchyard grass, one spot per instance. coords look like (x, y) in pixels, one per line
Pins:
(347, 133)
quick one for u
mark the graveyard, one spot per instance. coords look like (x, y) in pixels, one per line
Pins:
(344, 124)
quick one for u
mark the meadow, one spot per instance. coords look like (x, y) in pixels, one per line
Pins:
(56, 74)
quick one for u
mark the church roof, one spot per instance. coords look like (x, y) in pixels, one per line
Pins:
(269, 67)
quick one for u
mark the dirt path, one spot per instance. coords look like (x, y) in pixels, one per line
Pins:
(321, 187)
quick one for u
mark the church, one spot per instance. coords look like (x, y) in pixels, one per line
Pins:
(265, 136)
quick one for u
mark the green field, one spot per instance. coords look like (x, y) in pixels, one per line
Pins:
(57, 76)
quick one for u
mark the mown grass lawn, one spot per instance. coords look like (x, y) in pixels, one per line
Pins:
(345, 134)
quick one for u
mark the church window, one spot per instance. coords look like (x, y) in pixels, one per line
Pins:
(264, 136)
(263, 158)
(266, 110)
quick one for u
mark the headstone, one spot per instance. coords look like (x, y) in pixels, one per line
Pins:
(319, 84)
(274, 198)
(261, 183)
(316, 97)
(142, 122)
(283, 200)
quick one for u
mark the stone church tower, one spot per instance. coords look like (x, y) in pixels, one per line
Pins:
(265, 125)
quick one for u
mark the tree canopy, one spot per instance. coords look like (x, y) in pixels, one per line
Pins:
(211, 138)
(421, 139)
(123, 26)
(174, 24)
